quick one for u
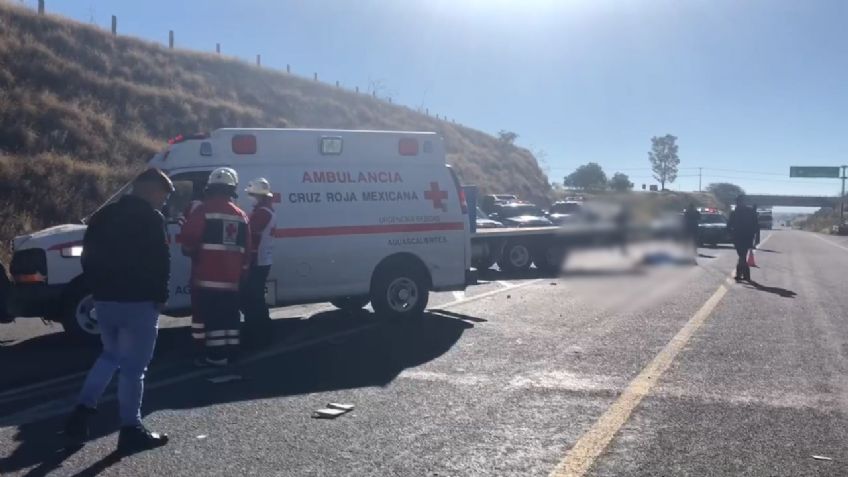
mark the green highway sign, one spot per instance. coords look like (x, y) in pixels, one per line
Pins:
(824, 172)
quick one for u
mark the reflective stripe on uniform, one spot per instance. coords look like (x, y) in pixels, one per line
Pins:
(198, 335)
(198, 326)
(217, 342)
(232, 332)
(213, 215)
(217, 334)
(233, 341)
(222, 248)
(218, 285)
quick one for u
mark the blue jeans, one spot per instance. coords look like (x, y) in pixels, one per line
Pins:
(128, 332)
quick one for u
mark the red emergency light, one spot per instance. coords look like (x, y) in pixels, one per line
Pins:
(408, 146)
(244, 144)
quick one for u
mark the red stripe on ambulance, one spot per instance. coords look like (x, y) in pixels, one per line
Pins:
(365, 229)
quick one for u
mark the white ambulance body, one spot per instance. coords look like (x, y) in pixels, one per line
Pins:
(360, 215)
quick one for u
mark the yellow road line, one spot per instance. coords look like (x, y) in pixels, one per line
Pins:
(580, 458)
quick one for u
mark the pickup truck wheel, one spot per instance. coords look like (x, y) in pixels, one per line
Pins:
(79, 318)
(400, 293)
(350, 303)
(516, 257)
(550, 258)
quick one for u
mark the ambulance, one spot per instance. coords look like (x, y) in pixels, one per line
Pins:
(362, 216)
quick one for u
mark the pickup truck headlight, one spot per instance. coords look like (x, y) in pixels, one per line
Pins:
(72, 251)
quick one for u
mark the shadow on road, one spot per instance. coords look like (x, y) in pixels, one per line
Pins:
(53, 355)
(775, 290)
(374, 356)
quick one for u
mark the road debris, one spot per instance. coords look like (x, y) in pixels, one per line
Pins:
(202, 436)
(332, 411)
(821, 457)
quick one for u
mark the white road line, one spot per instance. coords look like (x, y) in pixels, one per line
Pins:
(35, 386)
(458, 295)
(829, 242)
(489, 293)
(504, 284)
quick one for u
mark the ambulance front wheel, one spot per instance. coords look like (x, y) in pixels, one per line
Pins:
(350, 303)
(78, 316)
(400, 290)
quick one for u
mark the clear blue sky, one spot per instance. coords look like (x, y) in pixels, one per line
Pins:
(746, 85)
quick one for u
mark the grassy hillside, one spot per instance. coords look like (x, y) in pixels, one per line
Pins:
(81, 110)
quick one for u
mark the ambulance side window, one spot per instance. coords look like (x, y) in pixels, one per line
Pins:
(187, 187)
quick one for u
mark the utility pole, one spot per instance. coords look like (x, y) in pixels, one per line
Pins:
(699, 179)
(842, 198)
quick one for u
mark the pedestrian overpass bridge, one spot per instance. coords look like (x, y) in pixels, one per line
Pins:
(765, 200)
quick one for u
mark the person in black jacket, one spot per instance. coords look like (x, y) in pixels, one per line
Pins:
(743, 226)
(126, 264)
(691, 220)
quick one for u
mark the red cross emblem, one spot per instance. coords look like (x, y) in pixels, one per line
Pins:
(231, 230)
(437, 196)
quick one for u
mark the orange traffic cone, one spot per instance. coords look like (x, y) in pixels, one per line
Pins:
(751, 261)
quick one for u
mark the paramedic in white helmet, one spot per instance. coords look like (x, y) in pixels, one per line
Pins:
(217, 238)
(257, 320)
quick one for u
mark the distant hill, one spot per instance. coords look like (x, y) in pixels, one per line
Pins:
(81, 110)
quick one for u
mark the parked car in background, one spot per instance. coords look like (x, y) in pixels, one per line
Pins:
(484, 222)
(564, 212)
(713, 228)
(488, 202)
(520, 214)
(765, 219)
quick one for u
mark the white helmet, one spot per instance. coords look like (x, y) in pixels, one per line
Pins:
(224, 176)
(259, 186)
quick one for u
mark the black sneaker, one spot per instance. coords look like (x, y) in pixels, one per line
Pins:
(76, 427)
(138, 438)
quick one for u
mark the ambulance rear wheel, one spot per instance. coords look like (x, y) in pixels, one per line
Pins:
(400, 291)
(350, 303)
(79, 318)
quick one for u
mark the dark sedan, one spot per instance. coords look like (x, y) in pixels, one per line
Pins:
(565, 212)
(713, 229)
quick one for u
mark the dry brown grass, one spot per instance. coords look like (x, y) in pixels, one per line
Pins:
(77, 104)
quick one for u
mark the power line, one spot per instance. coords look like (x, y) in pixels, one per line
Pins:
(745, 172)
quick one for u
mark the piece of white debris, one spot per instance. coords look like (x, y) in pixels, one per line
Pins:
(340, 407)
(202, 436)
(821, 457)
(327, 413)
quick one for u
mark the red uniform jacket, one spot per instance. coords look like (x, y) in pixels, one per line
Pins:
(217, 238)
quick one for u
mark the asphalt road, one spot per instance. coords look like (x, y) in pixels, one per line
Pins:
(612, 369)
